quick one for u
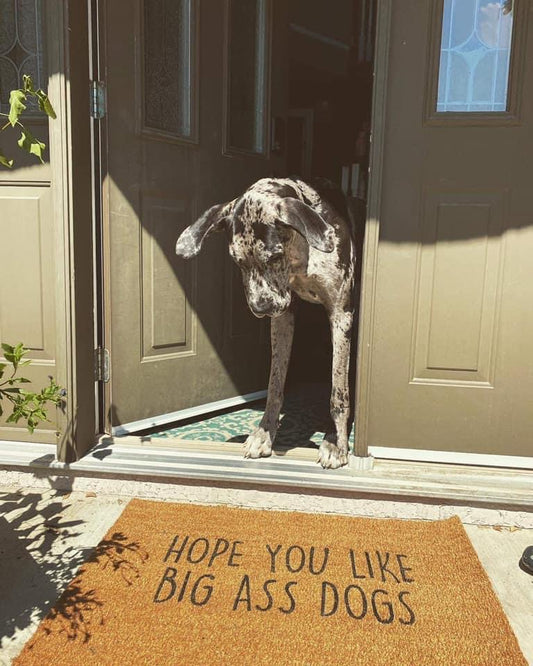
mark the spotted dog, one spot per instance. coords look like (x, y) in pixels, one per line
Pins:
(288, 236)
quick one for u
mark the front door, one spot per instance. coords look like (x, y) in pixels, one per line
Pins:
(192, 87)
(452, 335)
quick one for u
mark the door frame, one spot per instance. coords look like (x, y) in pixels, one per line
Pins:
(71, 156)
(371, 237)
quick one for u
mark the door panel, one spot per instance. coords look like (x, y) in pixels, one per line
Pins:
(181, 334)
(28, 260)
(453, 328)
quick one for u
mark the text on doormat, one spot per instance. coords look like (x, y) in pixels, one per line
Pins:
(375, 588)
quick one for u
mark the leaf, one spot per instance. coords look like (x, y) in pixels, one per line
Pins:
(28, 83)
(45, 104)
(4, 161)
(32, 145)
(17, 105)
(7, 348)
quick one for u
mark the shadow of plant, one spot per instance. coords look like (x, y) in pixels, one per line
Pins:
(121, 556)
(79, 609)
(41, 562)
(74, 613)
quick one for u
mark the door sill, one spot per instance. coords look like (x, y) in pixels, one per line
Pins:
(447, 457)
(214, 465)
(182, 414)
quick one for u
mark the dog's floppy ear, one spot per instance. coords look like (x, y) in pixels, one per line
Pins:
(190, 241)
(298, 215)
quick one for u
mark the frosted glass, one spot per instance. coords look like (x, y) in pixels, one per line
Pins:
(475, 55)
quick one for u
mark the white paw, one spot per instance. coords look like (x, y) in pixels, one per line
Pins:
(330, 456)
(258, 444)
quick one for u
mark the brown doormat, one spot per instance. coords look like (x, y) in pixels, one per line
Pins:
(190, 584)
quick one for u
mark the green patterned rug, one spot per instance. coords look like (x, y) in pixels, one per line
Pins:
(304, 420)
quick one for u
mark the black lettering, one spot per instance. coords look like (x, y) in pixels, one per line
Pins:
(354, 568)
(383, 567)
(270, 601)
(288, 564)
(312, 561)
(291, 598)
(412, 618)
(234, 554)
(273, 554)
(403, 569)
(325, 587)
(184, 586)
(369, 563)
(178, 551)
(221, 546)
(168, 577)
(208, 591)
(388, 618)
(202, 553)
(243, 588)
(363, 602)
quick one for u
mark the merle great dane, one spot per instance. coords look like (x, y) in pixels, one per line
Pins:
(287, 236)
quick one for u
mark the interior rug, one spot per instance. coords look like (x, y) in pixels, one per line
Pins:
(188, 584)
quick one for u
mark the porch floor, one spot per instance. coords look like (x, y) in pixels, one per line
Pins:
(46, 534)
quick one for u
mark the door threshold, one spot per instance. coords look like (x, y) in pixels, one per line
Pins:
(217, 464)
(174, 417)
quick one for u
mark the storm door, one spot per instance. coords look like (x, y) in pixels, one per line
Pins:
(450, 328)
(191, 92)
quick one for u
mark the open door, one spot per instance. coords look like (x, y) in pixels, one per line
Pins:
(450, 325)
(192, 88)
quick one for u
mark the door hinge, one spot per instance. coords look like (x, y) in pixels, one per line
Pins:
(98, 99)
(102, 365)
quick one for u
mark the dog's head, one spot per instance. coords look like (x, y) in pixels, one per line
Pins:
(260, 223)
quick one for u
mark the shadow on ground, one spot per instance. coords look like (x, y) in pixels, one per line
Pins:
(41, 553)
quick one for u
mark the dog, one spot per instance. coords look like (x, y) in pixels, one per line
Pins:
(290, 237)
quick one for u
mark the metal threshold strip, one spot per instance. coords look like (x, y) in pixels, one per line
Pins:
(296, 469)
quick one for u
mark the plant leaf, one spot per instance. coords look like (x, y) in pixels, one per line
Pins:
(28, 83)
(29, 143)
(17, 105)
(45, 104)
(4, 161)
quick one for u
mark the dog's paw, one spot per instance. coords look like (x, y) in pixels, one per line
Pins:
(258, 444)
(330, 456)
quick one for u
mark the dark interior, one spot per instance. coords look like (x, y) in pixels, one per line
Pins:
(328, 129)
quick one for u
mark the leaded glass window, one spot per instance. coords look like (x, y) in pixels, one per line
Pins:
(475, 55)
(21, 47)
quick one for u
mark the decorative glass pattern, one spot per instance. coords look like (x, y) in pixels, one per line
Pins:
(475, 55)
(168, 66)
(247, 74)
(21, 47)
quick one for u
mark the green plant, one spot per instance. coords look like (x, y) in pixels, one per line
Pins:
(18, 103)
(26, 405)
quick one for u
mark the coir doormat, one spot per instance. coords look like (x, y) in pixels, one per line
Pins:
(185, 584)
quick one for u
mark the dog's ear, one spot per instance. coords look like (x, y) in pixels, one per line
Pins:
(298, 215)
(214, 219)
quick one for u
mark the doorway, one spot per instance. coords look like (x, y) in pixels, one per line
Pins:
(181, 338)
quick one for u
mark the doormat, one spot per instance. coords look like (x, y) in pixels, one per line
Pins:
(304, 421)
(214, 585)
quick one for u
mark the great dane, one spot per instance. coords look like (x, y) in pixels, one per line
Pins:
(287, 236)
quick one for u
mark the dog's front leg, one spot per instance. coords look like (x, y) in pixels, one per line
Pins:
(259, 443)
(333, 450)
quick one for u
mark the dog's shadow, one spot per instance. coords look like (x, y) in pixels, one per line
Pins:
(304, 419)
